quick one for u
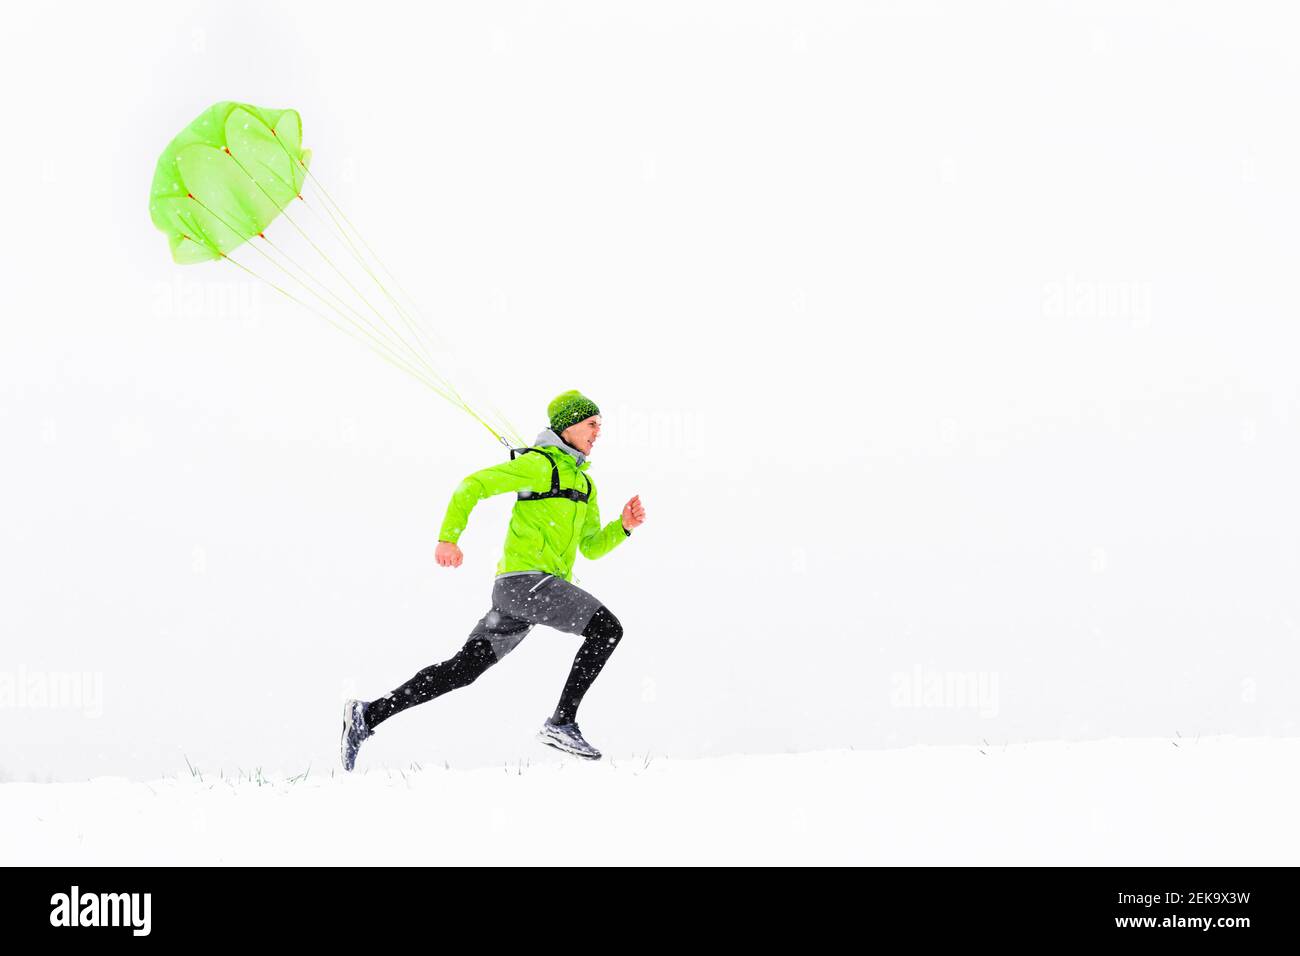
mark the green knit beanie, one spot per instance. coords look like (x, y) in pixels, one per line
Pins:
(569, 408)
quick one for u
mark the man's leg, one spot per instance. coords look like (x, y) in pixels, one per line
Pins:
(600, 637)
(492, 638)
(468, 664)
(552, 601)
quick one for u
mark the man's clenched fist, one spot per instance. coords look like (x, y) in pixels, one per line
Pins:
(448, 555)
(633, 513)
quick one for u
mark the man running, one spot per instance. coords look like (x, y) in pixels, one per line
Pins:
(554, 517)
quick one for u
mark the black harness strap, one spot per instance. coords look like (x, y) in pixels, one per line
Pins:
(573, 494)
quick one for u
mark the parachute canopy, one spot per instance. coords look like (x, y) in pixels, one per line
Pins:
(225, 177)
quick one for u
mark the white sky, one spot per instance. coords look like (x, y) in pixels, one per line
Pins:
(943, 342)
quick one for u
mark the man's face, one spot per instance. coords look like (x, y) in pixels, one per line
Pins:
(584, 434)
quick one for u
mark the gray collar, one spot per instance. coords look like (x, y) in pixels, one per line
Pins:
(547, 436)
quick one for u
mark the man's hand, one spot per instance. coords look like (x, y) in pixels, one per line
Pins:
(633, 513)
(448, 555)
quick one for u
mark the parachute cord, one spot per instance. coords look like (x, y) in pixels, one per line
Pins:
(342, 233)
(503, 421)
(411, 324)
(451, 393)
(415, 353)
(507, 425)
(378, 341)
(341, 304)
(459, 400)
(360, 260)
(393, 360)
(357, 318)
(357, 232)
(401, 311)
(330, 201)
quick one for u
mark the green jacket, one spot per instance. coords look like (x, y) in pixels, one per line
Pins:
(545, 534)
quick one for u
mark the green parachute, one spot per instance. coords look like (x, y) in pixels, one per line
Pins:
(225, 178)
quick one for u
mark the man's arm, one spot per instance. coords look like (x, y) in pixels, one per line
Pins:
(525, 472)
(596, 542)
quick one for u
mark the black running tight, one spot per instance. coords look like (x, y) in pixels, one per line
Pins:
(600, 638)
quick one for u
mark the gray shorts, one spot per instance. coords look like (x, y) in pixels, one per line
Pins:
(524, 599)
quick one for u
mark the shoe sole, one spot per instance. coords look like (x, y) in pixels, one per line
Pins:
(343, 740)
(544, 737)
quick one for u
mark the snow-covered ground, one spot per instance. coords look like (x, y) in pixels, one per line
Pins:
(1215, 801)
